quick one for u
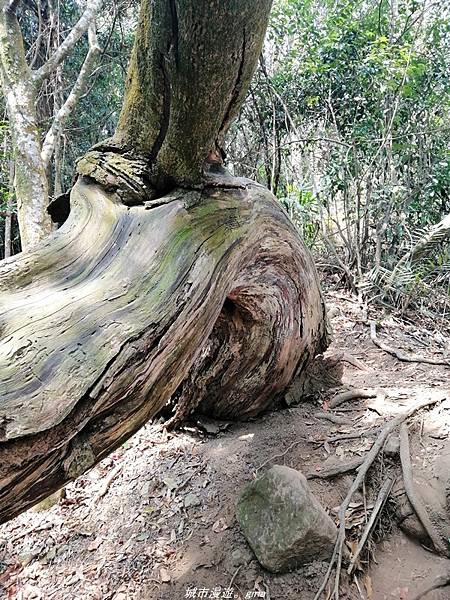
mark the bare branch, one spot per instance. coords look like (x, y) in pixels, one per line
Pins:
(73, 98)
(72, 38)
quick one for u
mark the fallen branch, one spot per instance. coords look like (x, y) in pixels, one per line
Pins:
(376, 512)
(336, 558)
(416, 502)
(439, 582)
(351, 395)
(403, 356)
(352, 360)
(339, 469)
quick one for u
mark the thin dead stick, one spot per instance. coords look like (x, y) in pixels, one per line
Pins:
(376, 512)
(335, 470)
(413, 497)
(332, 418)
(234, 576)
(191, 476)
(336, 558)
(107, 483)
(351, 395)
(439, 582)
(362, 596)
(282, 454)
(403, 356)
(353, 436)
(27, 532)
(352, 360)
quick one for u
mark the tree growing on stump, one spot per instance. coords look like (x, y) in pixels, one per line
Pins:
(169, 282)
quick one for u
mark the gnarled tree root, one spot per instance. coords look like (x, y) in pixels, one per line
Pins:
(386, 430)
(440, 582)
(440, 544)
(209, 300)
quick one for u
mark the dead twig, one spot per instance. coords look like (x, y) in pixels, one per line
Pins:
(234, 576)
(403, 356)
(30, 531)
(191, 476)
(351, 395)
(336, 558)
(416, 502)
(356, 435)
(352, 360)
(376, 512)
(439, 582)
(339, 469)
(332, 418)
(282, 454)
(107, 483)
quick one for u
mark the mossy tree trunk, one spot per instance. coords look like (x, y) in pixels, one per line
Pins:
(171, 283)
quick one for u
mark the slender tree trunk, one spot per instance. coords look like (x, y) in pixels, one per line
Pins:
(31, 184)
(181, 46)
(170, 284)
(20, 88)
(9, 206)
(20, 95)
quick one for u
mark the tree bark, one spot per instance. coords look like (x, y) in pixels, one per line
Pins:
(189, 73)
(171, 283)
(20, 87)
(210, 299)
(31, 184)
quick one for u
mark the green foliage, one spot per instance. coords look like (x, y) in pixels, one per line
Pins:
(352, 105)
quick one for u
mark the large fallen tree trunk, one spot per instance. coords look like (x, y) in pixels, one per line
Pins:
(202, 296)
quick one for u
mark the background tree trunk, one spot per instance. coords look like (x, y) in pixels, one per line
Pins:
(31, 184)
(9, 208)
(167, 284)
(20, 85)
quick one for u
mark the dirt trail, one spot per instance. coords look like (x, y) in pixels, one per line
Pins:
(156, 519)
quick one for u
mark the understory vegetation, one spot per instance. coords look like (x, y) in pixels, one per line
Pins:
(347, 123)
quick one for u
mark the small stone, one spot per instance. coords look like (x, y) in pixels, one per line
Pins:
(238, 558)
(191, 500)
(392, 446)
(283, 522)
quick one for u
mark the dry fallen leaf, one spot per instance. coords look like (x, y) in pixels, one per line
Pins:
(95, 544)
(219, 525)
(164, 575)
(368, 585)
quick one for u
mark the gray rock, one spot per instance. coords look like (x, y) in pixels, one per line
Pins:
(392, 446)
(283, 522)
(191, 500)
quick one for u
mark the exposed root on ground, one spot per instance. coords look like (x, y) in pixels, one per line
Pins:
(351, 395)
(403, 356)
(414, 498)
(440, 582)
(336, 470)
(387, 429)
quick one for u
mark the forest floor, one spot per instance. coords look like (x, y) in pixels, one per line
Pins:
(156, 519)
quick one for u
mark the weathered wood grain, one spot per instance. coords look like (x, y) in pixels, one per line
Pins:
(209, 299)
